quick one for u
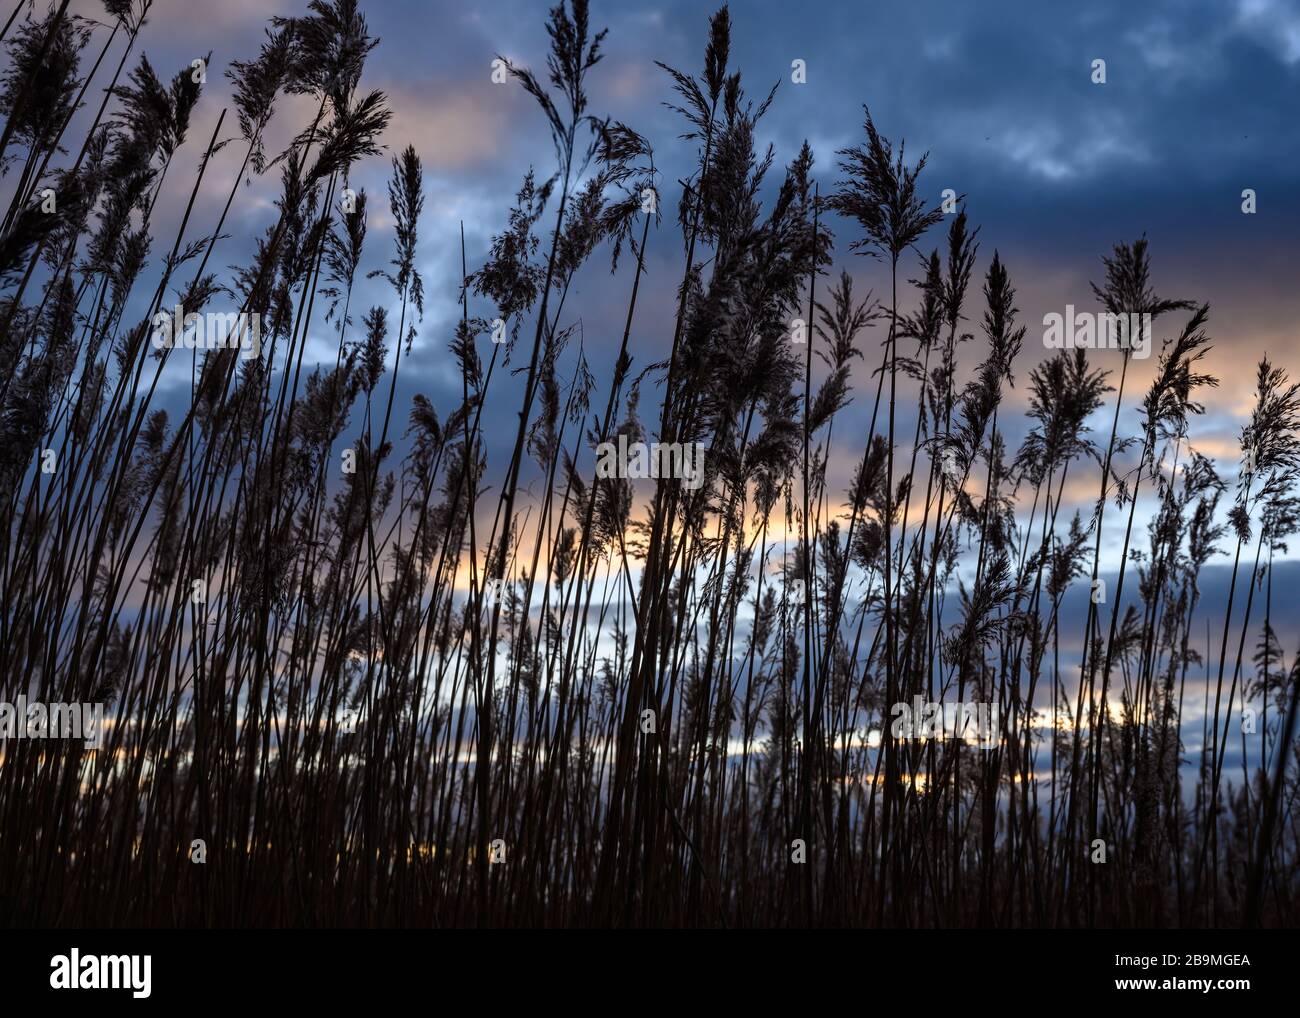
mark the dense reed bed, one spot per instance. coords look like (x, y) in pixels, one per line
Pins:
(383, 681)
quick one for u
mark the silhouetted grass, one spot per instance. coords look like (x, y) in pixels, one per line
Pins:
(429, 690)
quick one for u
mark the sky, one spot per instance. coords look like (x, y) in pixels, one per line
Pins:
(1198, 105)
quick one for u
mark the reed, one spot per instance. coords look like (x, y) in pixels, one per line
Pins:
(387, 681)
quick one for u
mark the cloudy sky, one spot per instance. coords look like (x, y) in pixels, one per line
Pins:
(1199, 104)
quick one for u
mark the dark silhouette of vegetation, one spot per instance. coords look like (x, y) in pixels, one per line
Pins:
(388, 683)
